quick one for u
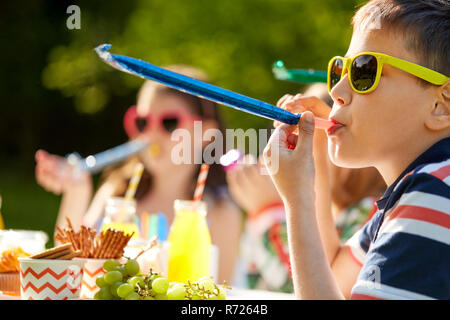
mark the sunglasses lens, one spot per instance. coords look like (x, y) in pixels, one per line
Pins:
(141, 124)
(364, 72)
(170, 124)
(336, 72)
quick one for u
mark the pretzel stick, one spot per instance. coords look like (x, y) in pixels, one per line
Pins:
(119, 249)
(106, 241)
(111, 245)
(98, 240)
(69, 223)
(124, 244)
(92, 240)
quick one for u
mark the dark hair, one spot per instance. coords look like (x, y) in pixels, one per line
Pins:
(207, 110)
(423, 24)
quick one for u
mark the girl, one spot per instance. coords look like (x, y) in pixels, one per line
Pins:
(159, 111)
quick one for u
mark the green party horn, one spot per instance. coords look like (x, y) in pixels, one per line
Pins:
(297, 75)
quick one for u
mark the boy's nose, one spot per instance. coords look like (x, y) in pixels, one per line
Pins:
(342, 92)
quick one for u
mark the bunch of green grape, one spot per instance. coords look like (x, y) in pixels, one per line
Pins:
(126, 282)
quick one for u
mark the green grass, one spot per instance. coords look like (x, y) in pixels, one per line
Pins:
(26, 205)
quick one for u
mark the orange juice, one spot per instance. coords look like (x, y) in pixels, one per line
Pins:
(190, 242)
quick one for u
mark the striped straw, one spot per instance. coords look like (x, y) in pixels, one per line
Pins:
(201, 182)
(134, 182)
(132, 186)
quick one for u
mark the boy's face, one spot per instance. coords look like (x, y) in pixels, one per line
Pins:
(378, 125)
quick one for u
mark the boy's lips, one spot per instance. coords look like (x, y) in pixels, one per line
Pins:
(336, 126)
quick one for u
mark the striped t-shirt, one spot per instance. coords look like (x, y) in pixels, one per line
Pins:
(404, 249)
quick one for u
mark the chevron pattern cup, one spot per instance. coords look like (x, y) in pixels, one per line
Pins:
(45, 279)
(93, 269)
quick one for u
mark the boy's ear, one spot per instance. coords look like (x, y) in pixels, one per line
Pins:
(440, 112)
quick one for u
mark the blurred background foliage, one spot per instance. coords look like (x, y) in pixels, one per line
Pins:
(56, 94)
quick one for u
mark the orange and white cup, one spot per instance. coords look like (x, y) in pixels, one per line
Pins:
(93, 268)
(47, 279)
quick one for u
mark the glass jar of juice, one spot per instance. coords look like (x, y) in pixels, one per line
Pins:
(120, 214)
(189, 242)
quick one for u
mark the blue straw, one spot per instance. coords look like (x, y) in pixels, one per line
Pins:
(162, 227)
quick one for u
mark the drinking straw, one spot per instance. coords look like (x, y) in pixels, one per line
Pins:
(153, 225)
(132, 186)
(201, 182)
(95, 163)
(162, 226)
(144, 225)
(201, 89)
(134, 182)
(297, 75)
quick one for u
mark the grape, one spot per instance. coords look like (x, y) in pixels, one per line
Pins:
(132, 267)
(110, 265)
(114, 288)
(160, 285)
(174, 284)
(133, 296)
(159, 296)
(177, 292)
(105, 293)
(112, 276)
(97, 296)
(207, 284)
(122, 270)
(155, 276)
(222, 294)
(149, 298)
(100, 281)
(124, 290)
(135, 281)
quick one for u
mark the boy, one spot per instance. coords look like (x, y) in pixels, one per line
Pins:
(395, 116)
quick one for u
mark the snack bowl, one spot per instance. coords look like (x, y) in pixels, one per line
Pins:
(29, 240)
(93, 268)
(49, 279)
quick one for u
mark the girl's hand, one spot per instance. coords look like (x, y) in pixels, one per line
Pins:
(56, 175)
(289, 159)
(300, 103)
(251, 189)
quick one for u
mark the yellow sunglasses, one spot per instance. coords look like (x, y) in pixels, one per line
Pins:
(364, 71)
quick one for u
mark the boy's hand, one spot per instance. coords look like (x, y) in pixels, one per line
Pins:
(292, 170)
(251, 190)
(55, 174)
(300, 103)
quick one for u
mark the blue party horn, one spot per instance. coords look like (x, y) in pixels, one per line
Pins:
(95, 163)
(201, 89)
